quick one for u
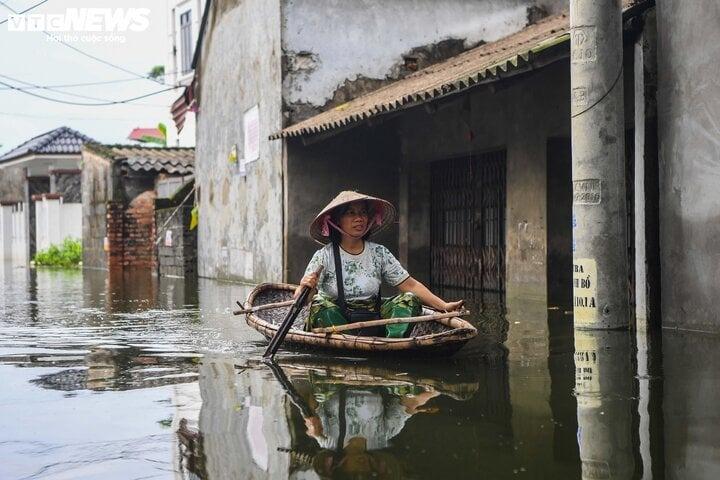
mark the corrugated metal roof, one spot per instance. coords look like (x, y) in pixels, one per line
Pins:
(62, 140)
(173, 160)
(487, 62)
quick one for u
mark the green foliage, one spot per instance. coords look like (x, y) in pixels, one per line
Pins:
(157, 71)
(67, 255)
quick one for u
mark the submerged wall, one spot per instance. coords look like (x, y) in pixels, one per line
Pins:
(96, 192)
(688, 104)
(240, 216)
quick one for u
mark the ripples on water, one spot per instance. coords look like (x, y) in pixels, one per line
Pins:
(125, 376)
(67, 336)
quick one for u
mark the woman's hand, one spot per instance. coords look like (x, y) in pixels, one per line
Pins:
(309, 281)
(427, 297)
(313, 427)
(453, 306)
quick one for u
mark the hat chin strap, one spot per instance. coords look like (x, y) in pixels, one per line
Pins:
(327, 223)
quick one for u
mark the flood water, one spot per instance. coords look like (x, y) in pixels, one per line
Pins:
(126, 376)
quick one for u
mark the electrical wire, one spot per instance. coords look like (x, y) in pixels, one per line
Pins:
(66, 102)
(24, 11)
(612, 87)
(65, 117)
(76, 95)
(72, 85)
(97, 59)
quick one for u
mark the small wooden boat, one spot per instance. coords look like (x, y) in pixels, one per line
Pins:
(442, 336)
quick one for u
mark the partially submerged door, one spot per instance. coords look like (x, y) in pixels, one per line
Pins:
(467, 232)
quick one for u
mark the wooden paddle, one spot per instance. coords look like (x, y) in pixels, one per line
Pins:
(259, 308)
(389, 321)
(289, 319)
(270, 306)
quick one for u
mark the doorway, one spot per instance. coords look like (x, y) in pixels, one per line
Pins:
(467, 227)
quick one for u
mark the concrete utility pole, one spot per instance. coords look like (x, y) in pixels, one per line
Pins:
(600, 260)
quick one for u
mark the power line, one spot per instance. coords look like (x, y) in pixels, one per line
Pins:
(24, 11)
(70, 94)
(97, 59)
(85, 84)
(76, 95)
(66, 102)
(65, 117)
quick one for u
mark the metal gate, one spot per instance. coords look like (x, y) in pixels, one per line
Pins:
(467, 226)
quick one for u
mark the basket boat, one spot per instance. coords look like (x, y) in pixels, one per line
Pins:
(437, 337)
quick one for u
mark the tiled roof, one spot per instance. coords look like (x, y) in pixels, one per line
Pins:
(486, 63)
(62, 140)
(174, 160)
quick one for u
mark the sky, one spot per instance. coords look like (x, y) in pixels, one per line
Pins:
(31, 57)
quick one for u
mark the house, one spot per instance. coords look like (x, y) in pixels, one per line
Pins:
(184, 21)
(298, 59)
(45, 168)
(120, 186)
(471, 141)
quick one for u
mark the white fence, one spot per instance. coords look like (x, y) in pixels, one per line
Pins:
(13, 245)
(55, 221)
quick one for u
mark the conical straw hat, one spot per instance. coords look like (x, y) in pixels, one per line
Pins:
(382, 210)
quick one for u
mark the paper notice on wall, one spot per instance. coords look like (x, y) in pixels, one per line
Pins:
(251, 134)
(168, 238)
(584, 291)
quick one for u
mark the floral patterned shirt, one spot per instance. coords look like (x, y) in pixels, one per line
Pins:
(362, 273)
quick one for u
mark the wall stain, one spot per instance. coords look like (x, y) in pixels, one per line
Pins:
(225, 192)
(606, 138)
(535, 13)
(299, 65)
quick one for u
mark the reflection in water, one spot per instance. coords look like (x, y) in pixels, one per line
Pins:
(605, 386)
(319, 418)
(125, 375)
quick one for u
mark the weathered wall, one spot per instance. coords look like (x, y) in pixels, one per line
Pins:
(180, 258)
(335, 51)
(689, 420)
(240, 231)
(131, 232)
(121, 208)
(139, 232)
(115, 234)
(96, 190)
(689, 154)
(12, 182)
(68, 183)
(363, 159)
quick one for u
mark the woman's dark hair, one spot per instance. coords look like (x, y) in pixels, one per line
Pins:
(338, 212)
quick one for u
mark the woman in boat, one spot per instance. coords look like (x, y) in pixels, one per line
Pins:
(344, 226)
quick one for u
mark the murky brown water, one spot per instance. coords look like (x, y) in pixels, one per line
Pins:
(131, 377)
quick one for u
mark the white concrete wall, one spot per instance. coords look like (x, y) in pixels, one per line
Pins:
(6, 232)
(240, 232)
(18, 238)
(55, 221)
